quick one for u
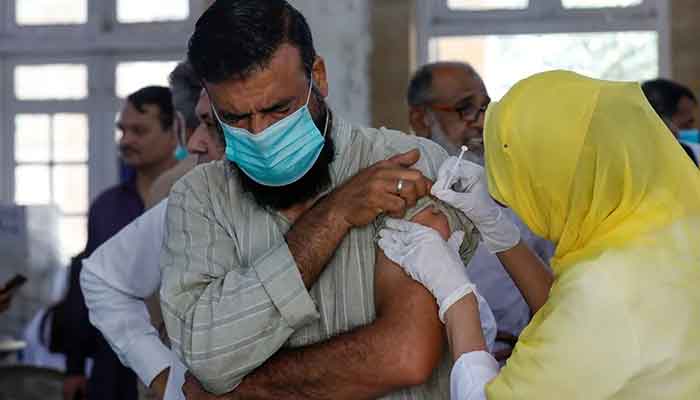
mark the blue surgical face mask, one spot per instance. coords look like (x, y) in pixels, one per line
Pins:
(180, 153)
(282, 153)
(179, 124)
(689, 135)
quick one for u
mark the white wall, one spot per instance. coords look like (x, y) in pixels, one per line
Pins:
(341, 30)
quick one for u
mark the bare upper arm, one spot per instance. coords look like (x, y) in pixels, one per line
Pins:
(390, 278)
(435, 219)
(408, 306)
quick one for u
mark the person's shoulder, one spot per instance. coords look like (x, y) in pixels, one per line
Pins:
(396, 142)
(110, 192)
(162, 185)
(428, 148)
(214, 179)
(108, 197)
(204, 175)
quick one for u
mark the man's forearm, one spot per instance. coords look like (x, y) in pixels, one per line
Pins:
(313, 239)
(348, 366)
(399, 349)
(339, 367)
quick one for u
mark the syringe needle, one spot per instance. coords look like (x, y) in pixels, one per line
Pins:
(454, 168)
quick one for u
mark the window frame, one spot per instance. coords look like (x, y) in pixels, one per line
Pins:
(100, 44)
(436, 19)
(100, 51)
(102, 29)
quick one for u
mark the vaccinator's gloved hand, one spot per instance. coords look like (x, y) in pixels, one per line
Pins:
(467, 191)
(428, 259)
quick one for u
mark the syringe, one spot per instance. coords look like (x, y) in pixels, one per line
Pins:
(448, 183)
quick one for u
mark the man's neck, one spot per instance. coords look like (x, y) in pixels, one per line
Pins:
(147, 175)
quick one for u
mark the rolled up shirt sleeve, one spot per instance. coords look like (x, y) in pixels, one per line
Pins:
(115, 280)
(225, 317)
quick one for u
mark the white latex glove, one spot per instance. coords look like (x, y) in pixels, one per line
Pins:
(428, 259)
(470, 374)
(468, 192)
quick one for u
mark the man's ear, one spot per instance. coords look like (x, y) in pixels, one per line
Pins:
(417, 118)
(318, 72)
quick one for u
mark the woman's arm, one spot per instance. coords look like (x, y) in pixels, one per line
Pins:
(463, 327)
(529, 273)
(474, 367)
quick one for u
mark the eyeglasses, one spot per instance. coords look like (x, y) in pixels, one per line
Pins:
(468, 112)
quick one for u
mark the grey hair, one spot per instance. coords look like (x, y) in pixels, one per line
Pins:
(185, 86)
(420, 86)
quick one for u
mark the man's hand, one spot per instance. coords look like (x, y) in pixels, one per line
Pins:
(313, 238)
(5, 301)
(193, 390)
(374, 190)
(160, 382)
(75, 387)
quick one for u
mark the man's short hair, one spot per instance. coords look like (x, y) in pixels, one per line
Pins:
(418, 93)
(664, 95)
(186, 88)
(159, 96)
(420, 86)
(234, 38)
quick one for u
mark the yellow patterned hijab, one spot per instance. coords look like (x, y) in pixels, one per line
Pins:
(586, 164)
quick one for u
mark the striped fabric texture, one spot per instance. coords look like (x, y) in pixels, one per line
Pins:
(232, 294)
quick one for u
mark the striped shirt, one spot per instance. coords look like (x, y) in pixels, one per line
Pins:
(232, 294)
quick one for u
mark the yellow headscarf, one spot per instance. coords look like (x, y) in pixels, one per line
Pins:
(586, 163)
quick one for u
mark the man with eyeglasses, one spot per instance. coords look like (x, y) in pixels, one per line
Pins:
(448, 102)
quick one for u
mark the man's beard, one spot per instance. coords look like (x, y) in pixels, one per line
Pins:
(475, 145)
(315, 181)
